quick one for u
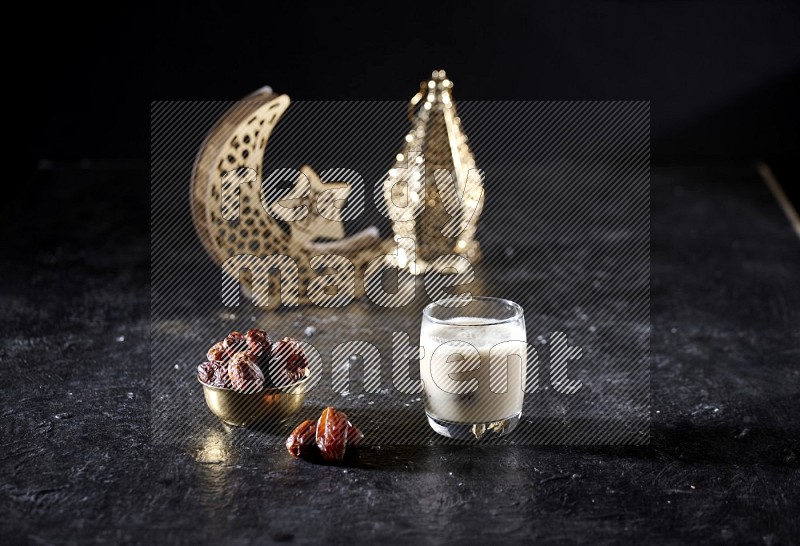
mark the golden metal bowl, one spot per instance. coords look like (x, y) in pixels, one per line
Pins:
(242, 409)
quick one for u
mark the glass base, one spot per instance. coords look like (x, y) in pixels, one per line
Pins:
(474, 431)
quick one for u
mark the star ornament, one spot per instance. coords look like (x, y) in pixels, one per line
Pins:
(313, 208)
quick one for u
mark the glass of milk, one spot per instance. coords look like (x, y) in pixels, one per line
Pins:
(473, 367)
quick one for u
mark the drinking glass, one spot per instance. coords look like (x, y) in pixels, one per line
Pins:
(474, 366)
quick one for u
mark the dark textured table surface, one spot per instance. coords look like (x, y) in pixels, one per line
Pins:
(77, 463)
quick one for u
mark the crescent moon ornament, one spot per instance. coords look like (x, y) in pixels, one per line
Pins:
(229, 211)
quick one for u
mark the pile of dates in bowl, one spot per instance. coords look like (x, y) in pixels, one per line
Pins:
(247, 379)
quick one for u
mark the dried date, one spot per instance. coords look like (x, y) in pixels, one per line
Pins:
(218, 372)
(328, 438)
(302, 442)
(290, 358)
(259, 344)
(244, 374)
(205, 372)
(218, 353)
(221, 378)
(332, 435)
(214, 374)
(235, 343)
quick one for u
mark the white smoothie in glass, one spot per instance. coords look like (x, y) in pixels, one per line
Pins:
(473, 369)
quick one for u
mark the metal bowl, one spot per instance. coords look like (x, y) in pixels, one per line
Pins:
(242, 409)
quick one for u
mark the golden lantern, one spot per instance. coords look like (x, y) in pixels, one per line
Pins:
(434, 192)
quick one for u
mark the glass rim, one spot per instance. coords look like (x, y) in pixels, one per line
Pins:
(518, 313)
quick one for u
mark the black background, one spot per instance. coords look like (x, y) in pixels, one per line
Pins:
(78, 464)
(722, 77)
